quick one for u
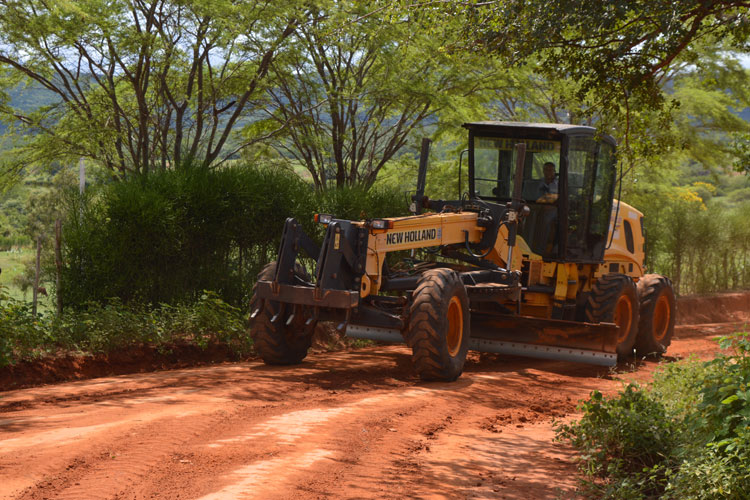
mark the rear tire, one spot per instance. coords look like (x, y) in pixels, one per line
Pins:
(657, 310)
(614, 299)
(439, 325)
(276, 342)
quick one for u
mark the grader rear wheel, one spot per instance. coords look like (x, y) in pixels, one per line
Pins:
(439, 325)
(276, 342)
(614, 299)
(657, 312)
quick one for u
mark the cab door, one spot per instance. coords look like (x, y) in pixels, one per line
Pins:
(590, 180)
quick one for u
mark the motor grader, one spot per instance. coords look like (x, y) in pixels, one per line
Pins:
(537, 259)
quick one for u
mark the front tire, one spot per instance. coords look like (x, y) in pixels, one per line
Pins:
(614, 299)
(657, 311)
(439, 325)
(276, 342)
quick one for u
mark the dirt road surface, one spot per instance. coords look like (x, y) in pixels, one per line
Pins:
(341, 425)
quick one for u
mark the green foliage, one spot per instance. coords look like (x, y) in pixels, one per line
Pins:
(686, 436)
(616, 50)
(625, 443)
(167, 237)
(358, 203)
(137, 85)
(361, 79)
(717, 472)
(170, 235)
(111, 326)
(725, 405)
(20, 332)
(442, 177)
(702, 244)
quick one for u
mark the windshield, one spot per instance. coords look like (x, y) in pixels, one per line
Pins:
(495, 164)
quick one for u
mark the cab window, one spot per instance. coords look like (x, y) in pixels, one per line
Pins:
(494, 168)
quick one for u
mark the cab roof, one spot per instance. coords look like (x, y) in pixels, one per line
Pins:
(537, 129)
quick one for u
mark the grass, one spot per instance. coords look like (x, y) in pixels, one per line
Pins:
(13, 262)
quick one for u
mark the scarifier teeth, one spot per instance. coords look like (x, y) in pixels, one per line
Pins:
(255, 313)
(290, 319)
(276, 317)
(309, 321)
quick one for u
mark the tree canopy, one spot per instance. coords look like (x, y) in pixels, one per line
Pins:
(340, 87)
(358, 82)
(139, 84)
(614, 49)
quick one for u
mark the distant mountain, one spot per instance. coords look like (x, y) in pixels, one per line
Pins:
(28, 98)
(31, 97)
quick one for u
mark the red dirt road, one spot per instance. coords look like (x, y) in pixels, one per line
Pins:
(341, 425)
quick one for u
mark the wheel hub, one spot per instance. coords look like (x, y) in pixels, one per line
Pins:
(455, 326)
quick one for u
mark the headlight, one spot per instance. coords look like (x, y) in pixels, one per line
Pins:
(323, 218)
(381, 224)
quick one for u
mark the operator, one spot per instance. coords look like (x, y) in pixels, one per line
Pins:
(548, 188)
(550, 181)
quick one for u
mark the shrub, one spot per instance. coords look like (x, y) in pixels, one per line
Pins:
(356, 203)
(209, 320)
(112, 325)
(167, 237)
(626, 444)
(106, 327)
(686, 436)
(21, 334)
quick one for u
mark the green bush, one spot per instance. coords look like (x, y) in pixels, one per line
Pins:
(686, 436)
(110, 326)
(209, 320)
(358, 203)
(167, 237)
(21, 334)
(626, 444)
(14, 241)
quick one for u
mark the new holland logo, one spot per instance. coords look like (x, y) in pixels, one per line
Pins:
(412, 236)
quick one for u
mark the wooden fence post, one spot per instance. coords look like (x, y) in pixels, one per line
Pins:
(58, 265)
(36, 274)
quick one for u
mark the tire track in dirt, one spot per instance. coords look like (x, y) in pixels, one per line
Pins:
(293, 442)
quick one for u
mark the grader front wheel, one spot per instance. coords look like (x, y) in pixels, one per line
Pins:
(614, 299)
(439, 325)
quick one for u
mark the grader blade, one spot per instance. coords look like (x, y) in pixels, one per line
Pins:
(545, 338)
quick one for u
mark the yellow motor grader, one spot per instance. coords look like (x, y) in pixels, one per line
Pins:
(538, 259)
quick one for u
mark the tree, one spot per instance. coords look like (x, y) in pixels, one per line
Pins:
(139, 83)
(359, 81)
(614, 49)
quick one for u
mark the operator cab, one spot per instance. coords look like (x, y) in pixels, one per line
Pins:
(568, 183)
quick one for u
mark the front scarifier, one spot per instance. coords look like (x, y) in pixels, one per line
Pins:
(524, 264)
(279, 335)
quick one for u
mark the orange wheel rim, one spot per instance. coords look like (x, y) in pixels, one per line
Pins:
(662, 315)
(623, 317)
(455, 326)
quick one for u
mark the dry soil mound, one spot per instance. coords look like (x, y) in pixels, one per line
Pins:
(718, 308)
